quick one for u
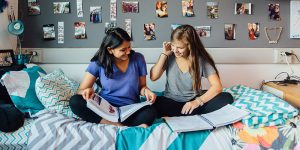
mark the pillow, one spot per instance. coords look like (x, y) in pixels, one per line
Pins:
(266, 109)
(55, 90)
(4, 96)
(21, 88)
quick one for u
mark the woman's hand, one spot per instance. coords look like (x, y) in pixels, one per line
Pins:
(167, 49)
(189, 107)
(150, 96)
(88, 93)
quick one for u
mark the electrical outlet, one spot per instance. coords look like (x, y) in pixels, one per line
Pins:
(279, 56)
(37, 55)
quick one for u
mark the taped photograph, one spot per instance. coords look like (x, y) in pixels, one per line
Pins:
(161, 9)
(203, 31)
(212, 10)
(253, 31)
(130, 6)
(149, 31)
(49, 32)
(80, 32)
(274, 12)
(34, 7)
(95, 14)
(230, 31)
(188, 8)
(243, 9)
(61, 7)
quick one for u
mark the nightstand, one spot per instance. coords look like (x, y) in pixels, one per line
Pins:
(289, 92)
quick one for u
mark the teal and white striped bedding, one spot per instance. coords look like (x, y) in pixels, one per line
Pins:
(266, 109)
(16, 140)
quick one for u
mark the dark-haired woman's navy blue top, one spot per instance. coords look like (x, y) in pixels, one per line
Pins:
(122, 88)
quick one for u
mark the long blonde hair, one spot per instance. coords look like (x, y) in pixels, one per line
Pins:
(188, 35)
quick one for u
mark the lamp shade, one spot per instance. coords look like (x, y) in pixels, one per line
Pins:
(16, 27)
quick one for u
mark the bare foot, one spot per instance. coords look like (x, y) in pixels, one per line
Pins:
(143, 125)
(104, 121)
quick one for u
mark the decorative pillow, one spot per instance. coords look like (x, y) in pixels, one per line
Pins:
(4, 96)
(21, 88)
(55, 90)
(266, 109)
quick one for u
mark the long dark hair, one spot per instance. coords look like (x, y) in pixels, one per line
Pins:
(114, 38)
(188, 35)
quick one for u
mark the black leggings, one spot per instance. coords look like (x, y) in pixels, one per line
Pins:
(145, 115)
(168, 107)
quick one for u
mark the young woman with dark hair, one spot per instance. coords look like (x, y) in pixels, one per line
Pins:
(186, 61)
(122, 74)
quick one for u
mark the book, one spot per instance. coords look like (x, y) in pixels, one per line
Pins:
(221, 117)
(114, 114)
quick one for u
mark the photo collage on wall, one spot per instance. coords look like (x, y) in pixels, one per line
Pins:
(160, 10)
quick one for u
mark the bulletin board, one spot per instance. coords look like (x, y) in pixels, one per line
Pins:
(33, 34)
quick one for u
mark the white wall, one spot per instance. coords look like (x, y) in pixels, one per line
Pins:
(246, 66)
(7, 41)
(231, 74)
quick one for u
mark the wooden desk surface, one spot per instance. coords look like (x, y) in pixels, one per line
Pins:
(291, 92)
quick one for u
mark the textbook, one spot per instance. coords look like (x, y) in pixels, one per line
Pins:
(224, 116)
(114, 114)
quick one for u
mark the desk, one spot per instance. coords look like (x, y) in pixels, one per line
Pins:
(290, 92)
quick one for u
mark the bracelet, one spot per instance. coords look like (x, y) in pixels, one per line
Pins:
(144, 91)
(200, 101)
(165, 54)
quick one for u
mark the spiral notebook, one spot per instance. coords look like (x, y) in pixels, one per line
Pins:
(221, 117)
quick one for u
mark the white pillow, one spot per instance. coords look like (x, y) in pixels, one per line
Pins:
(55, 90)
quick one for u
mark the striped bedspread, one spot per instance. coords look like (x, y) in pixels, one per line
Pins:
(57, 131)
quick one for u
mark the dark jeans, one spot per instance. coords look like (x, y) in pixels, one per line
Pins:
(145, 115)
(168, 107)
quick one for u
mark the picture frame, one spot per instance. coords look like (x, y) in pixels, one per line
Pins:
(6, 58)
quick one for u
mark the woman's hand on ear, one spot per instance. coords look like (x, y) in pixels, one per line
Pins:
(167, 49)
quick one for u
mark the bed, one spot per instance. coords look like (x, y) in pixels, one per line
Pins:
(273, 124)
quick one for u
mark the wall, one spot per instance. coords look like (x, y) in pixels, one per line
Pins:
(95, 32)
(7, 41)
(240, 62)
(236, 65)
